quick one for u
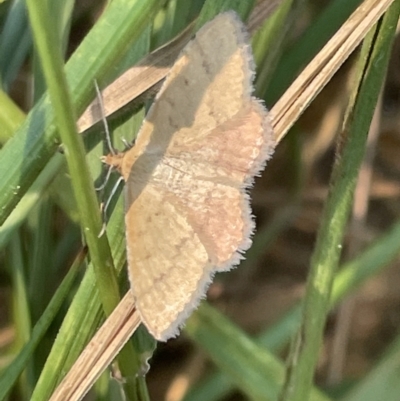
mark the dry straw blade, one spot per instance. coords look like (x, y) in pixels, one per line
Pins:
(322, 68)
(144, 77)
(285, 113)
(100, 351)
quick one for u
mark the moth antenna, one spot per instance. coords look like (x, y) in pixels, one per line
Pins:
(108, 175)
(126, 143)
(104, 210)
(113, 152)
(103, 118)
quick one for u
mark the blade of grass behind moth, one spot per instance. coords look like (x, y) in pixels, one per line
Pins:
(213, 7)
(318, 73)
(267, 41)
(304, 49)
(16, 367)
(40, 267)
(170, 21)
(306, 346)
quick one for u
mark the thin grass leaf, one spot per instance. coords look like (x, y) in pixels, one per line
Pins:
(11, 117)
(268, 41)
(61, 14)
(30, 199)
(11, 374)
(21, 312)
(20, 296)
(40, 261)
(382, 383)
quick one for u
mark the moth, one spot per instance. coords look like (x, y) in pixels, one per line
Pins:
(187, 209)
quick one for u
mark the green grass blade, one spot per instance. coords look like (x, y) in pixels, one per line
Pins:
(91, 221)
(371, 69)
(30, 199)
(61, 14)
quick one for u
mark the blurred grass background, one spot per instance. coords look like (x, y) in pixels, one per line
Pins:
(234, 347)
